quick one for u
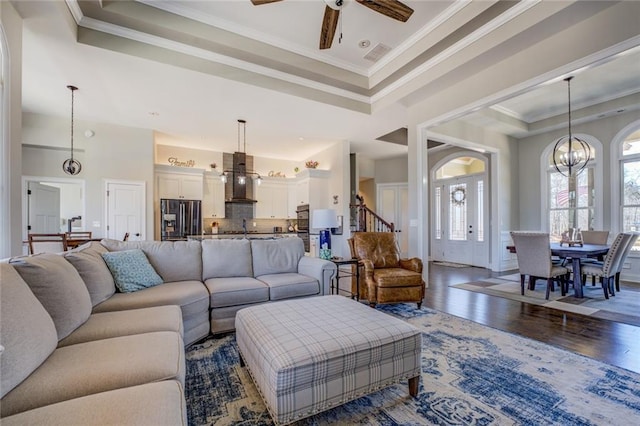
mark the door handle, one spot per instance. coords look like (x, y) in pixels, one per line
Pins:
(137, 234)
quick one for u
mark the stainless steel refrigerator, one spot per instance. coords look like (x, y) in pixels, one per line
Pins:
(180, 218)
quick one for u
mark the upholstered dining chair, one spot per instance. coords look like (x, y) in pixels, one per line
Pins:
(606, 270)
(534, 259)
(47, 243)
(388, 278)
(627, 250)
(595, 237)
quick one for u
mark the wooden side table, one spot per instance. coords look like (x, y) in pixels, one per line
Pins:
(336, 280)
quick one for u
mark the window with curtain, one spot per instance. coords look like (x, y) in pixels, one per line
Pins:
(571, 199)
(630, 182)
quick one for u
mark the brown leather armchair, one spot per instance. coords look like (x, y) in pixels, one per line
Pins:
(388, 279)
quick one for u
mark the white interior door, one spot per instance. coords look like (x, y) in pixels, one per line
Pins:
(393, 203)
(43, 205)
(125, 210)
(460, 221)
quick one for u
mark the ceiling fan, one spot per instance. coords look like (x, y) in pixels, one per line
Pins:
(391, 8)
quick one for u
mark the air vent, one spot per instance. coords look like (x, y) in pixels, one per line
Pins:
(378, 51)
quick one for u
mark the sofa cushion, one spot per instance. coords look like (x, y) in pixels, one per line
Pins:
(236, 291)
(191, 296)
(87, 259)
(286, 286)
(160, 403)
(172, 260)
(131, 270)
(106, 325)
(27, 332)
(226, 258)
(276, 256)
(88, 368)
(59, 287)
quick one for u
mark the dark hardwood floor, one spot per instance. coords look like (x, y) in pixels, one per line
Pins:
(611, 342)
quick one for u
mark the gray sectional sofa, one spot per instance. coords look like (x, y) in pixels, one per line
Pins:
(76, 351)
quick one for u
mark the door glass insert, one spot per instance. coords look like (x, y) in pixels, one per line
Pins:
(458, 212)
(437, 213)
(480, 211)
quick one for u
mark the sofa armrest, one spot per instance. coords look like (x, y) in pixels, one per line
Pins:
(320, 269)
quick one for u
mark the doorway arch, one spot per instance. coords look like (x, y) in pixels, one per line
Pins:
(460, 209)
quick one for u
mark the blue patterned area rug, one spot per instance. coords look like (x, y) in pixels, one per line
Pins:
(471, 375)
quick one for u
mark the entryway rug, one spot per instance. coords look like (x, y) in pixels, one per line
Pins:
(624, 307)
(471, 375)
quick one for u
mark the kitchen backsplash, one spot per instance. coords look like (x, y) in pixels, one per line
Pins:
(263, 226)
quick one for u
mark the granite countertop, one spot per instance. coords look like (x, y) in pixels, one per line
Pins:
(249, 235)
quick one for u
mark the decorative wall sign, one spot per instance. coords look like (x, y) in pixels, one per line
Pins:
(175, 162)
(277, 174)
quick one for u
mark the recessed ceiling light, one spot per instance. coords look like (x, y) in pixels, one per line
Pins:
(89, 133)
(363, 44)
(300, 138)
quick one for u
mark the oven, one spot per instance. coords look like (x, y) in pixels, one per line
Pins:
(302, 214)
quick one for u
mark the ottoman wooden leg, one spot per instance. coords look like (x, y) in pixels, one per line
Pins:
(241, 360)
(414, 384)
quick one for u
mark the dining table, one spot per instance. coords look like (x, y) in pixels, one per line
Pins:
(576, 253)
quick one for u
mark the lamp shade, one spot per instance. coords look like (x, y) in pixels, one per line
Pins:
(324, 218)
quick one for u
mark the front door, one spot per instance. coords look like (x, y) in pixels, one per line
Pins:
(43, 205)
(393, 206)
(125, 210)
(460, 221)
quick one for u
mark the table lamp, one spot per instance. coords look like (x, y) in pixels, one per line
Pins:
(324, 219)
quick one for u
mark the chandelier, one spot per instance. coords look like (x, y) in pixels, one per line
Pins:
(570, 154)
(239, 171)
(71, 166)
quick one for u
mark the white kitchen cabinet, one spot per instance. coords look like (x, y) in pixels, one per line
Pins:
(272, 198)
(184, 186)
(213, 198)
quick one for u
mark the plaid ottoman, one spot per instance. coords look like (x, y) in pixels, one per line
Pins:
(310, 355)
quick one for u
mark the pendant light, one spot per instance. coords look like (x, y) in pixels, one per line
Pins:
(71, 166)
(570, 154)
(241, 173)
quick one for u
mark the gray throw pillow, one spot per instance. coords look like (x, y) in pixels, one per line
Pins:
(59, 287)
(87, 259)
(131, 270)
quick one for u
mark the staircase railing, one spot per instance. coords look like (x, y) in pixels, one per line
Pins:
(369, 221)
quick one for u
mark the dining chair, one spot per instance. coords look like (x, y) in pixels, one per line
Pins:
(79, 235)
(47, 243)
(606, 270)
(627, 250)
(533, 252)
(126, 237)
(595, 237)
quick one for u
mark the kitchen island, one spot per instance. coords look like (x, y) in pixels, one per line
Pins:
(248, 235)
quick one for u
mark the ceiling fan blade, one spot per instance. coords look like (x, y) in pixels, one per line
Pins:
(329, 25)
(391, 8)
(259, 2)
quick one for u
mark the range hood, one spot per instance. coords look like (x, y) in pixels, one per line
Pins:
(236, 193)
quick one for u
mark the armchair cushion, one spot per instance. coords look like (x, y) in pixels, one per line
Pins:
(396, 277)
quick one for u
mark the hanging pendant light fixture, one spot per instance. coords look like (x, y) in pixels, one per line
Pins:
(71, 166)
(240, 172)
(570, 154)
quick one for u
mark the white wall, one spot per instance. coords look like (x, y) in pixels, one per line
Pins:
(11, 239)
(391, 170)
(336, 158)
(115, 152)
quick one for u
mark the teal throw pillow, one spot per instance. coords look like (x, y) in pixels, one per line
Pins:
(131, 270)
